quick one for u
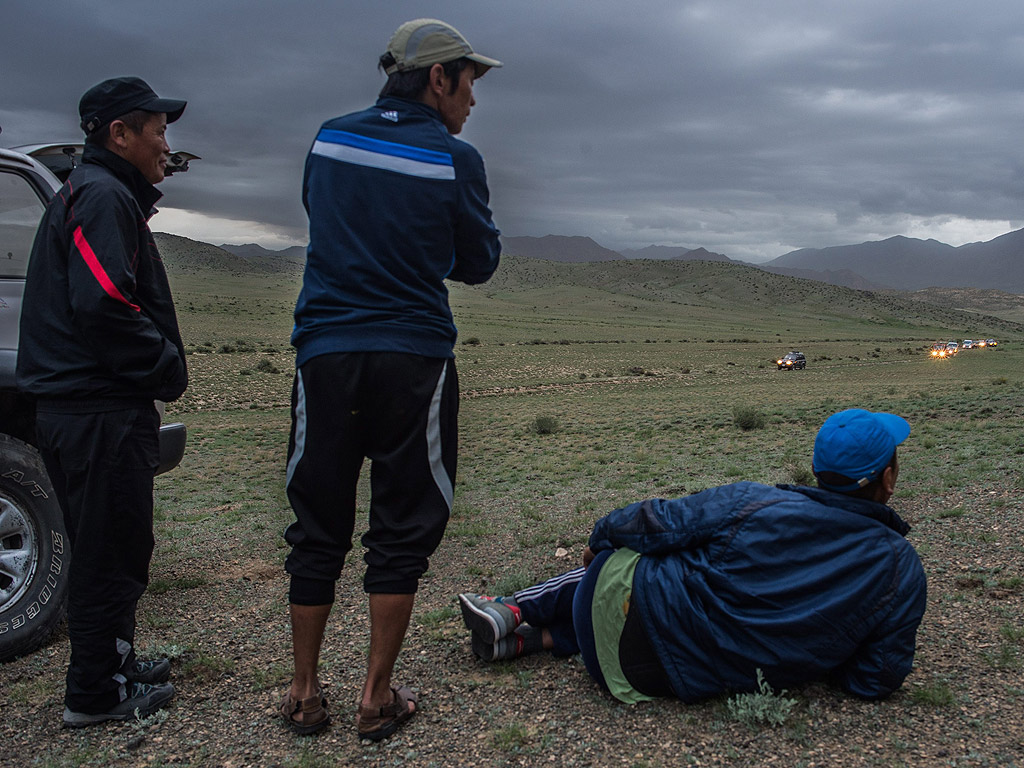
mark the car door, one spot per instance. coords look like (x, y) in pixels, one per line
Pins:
(24, 192)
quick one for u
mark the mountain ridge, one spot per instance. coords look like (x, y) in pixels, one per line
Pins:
(701, 284)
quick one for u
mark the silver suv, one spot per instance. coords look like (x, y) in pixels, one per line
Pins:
(33, 545)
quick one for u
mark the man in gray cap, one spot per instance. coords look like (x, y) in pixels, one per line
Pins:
(396, 206)
(99, 342)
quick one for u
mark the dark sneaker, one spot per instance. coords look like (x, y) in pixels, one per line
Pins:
(152, 671)
(510, 647)
(490, 618)
(144, 700)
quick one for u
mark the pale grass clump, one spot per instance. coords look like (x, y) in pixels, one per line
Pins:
(762, 706)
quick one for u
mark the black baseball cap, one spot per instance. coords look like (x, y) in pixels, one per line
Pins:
(118, 96)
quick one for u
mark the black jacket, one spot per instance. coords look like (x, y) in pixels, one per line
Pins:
(97, 319)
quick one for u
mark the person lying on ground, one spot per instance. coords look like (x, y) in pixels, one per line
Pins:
(690, 597)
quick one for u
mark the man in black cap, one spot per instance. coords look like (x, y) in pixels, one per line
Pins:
(396, 206)
(99, 343)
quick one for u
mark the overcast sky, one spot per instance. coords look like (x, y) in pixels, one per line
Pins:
(748, 127)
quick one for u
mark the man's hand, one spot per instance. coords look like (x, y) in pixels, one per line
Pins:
(588, 557)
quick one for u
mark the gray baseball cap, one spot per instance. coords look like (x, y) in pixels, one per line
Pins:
(424, 42)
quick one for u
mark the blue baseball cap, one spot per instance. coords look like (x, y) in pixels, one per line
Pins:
(853, 447)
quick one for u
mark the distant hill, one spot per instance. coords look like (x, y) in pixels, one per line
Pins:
(705, 288)
(898, 263)
(674, 252)
(286, 260)
(1008, 306)
(701, 254)
(656, 252)
(183, 255)
(910, 264)
(558, 248)
(723, 286)
(843, 277)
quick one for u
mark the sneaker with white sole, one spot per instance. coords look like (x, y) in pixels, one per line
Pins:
(143, 701)
(490, 618)
(508, 647)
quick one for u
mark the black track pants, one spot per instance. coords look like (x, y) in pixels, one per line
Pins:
(401, 412)
(102, 467)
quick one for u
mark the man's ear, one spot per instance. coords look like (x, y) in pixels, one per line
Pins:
(437, 80)
(116, 134)
(888, 484)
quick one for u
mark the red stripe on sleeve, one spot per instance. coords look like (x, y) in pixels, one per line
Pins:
(97, 270)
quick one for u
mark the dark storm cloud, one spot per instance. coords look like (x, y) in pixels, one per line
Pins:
(745, 127)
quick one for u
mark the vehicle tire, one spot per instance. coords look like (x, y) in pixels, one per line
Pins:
(34, 552)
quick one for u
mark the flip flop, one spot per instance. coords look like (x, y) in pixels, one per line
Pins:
(376, 723)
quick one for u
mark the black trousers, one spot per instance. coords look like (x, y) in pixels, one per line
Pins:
(102, 467)
(401, 412)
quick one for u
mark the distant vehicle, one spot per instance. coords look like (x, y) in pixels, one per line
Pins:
(968, 344)
(952, 348)
(991, 343)
(981, 343)
(792, 361)
(939, 350)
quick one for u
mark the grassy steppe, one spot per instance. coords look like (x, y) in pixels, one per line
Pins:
(635, 374)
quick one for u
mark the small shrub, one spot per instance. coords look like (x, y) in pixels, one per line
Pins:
(472, 341)
(511, 738)
(170, 650)
(801, 474)
(998, 380)
(763, 706)
(512, 582)
(208, 667)
(937, 694)
(266, 366)
(747, 418)
(545, 425)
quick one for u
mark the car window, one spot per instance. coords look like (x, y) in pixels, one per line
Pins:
(20, 211)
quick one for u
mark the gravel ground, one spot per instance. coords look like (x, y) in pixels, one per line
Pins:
(960, 707)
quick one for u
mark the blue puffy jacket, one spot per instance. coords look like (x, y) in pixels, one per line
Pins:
(799, 582)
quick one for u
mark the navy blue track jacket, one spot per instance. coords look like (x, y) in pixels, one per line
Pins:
(799, 582)
(97, 319)
(396, 205)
